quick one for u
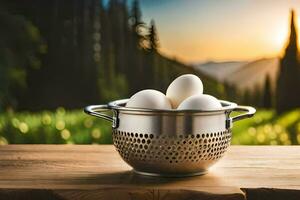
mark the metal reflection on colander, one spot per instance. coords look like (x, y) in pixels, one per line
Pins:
(170, 142)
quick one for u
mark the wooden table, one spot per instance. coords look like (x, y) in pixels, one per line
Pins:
(98, 172)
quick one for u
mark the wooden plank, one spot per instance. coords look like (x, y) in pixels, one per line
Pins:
(114, 194)
(99, 168)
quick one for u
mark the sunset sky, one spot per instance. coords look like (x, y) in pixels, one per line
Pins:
(198, 31)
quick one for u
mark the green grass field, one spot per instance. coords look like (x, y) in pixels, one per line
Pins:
(60, 127)
(268, 128)
(75, 127)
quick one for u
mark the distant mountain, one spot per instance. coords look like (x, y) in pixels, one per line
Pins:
(244, 75)
(219, 70)
(254, 73)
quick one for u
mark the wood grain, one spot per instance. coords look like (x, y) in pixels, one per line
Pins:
(114, 194)
(94, 171)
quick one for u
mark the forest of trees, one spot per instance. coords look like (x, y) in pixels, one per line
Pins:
(259, 96)
(73, 53)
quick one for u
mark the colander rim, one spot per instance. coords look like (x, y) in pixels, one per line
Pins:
(227, 106)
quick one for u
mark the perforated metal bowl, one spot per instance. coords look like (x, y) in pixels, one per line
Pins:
(170, 142)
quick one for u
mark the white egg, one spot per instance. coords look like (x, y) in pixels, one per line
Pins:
(200, 102)
(151, 99)
(183, 87)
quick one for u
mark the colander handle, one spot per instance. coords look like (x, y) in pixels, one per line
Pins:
(249, 112)
(96, 110)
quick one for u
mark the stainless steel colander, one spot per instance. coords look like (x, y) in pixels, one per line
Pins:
(170, 142)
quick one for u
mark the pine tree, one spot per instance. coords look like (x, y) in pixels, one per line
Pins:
(230, 92)
(288, 90)
(136, 59)
(137, 25)
(152, 38)
(136, 14)
(256, 96)
(247, 100)
(267, 93)
(152, 68)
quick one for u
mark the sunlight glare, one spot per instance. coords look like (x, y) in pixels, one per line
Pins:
(280, 37)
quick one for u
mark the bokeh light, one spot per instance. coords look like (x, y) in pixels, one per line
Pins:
(65, 134)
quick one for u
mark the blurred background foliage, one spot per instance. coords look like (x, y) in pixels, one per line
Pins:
(73, 127)
(78, 52)
(58, 56)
